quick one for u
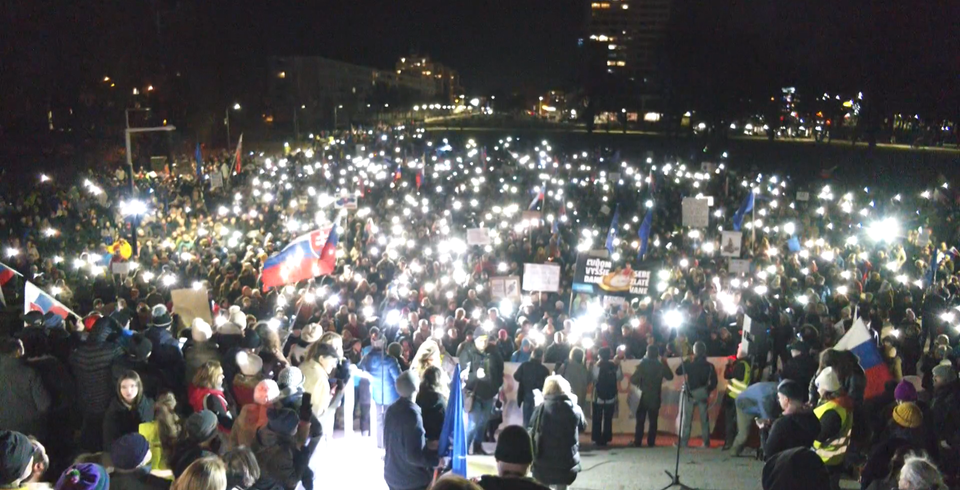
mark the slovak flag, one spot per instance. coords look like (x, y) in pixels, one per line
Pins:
(536, 199)
(6, 275)
(859, 341)
(308, 256)
(36, 299)
(420, 176)
(398, 174)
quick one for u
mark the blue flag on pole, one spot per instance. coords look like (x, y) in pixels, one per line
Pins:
(793, 244)
(745, 208)
(931, 275)
(644, 233)
(199, 157)
(453, 436)
(612, 232)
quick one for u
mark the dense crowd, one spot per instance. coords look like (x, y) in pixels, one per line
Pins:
(127, 389)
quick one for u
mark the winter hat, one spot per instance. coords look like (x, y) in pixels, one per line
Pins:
(238, 316)
(828, 381)
(905, 392)
(16, 452)
(84, 476)
(251, 340)
(201, 426)
(33, 318)
(250, 364)
(282, 421)
(200, 330)
(795, 469)
(129, 451)
(139, 347)
(514, 446)
(945, 370)
(908, 415)
(311, 333)
(160, 316)
(792, 390)
(266, 392)
(230, 328)
(291, 378)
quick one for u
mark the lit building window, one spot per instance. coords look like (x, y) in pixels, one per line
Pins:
(282, 74)
(621, 63)
(625, 6)
(600, 5)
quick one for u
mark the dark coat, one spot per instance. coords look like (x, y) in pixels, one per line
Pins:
(530, 376)
(25, 399)
(407, 462)
(91, 364)
(649, 376)
(801, 369)
(138, 479)
(120, 420)
(433, 409)
(792, 431)
(277, 456)
(487, 387)
(557, 423)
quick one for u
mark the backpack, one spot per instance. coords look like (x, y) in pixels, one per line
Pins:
(606, 387)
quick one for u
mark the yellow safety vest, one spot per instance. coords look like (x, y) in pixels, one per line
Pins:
(832, 453)
(735, 386)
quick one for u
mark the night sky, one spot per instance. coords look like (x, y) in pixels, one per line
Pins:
(55, 49)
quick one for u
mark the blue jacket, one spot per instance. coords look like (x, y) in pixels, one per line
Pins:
(520, 355)
(759, 400)
(384, 369)
(407, 463)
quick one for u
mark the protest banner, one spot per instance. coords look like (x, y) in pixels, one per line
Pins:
(803, 196)
(731, 243)
(505, 287)
(541, 277)
(191, 303)
(695, 212)
(216, 180)
(478, 236)
(596, 275)
(739, 266)
(346, 202)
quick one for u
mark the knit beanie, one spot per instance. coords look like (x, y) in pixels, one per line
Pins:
(282, 421)
(290, 378)
(905, 392)
(828, 381)
(201, 426)
(945, 370)
(514, 446)
(84, 476)
(908, 415)
(238, 317)
(129, 451)
(15, 453)
(266, 392)
(200, 330)
(160, 316)
(249, 364)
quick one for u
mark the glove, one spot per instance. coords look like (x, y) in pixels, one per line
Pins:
(306, 408)
(342, 372)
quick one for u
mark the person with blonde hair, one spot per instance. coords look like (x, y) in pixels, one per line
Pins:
(555, 427)
(164, 432)
(203, 474)
(206, 392)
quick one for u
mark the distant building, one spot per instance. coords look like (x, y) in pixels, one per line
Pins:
(310, 93)
(446, 79)
(624, 36)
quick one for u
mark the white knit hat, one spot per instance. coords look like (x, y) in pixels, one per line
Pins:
(250, 364)
(237, 316)
(311, 333)
(266, 392)
(828, 381)
(200, 330)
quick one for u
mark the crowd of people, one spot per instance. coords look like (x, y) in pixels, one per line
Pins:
(107, 384)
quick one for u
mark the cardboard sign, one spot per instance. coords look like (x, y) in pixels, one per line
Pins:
(739, 266)
(731, 243)
(478, 236)
(605, 210)
(596, 275)
(709, 200)
(191, 303)
(709, 167)
(122, 267)
(505, 287)
(541, 277)
(216, 180)
(696, 212)
(803, 196)
(346, 202)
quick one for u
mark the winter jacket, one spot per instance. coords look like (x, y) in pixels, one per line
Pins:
(649, 376)
(213, 400)
(149, 377)
(384, 369)
(520, 355)
(943, 409)
(243, 387)
(530, 376)
(792, 431)
(316, 381)
(577, 374)
(433, 409)
(557, 424)
(407, 462)
(138, 479)
(277, 456)
(120, 420)
(91, 364)
(487, 387)
(252, 417)
(700, 374)
(25, 399)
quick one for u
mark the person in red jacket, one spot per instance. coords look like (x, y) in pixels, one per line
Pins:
(206, 392)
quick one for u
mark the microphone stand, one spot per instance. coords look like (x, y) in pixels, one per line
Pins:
(675, 476)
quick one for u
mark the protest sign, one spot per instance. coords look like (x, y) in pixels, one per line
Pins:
(731, 243)
(505, 287)
(123, 267)
(696, 212)
(216, 180)
(803, 196)
(739, 266)
(531, 216)
(541, 277)
(191, 303)
(346, 202)
(478, 236)
(596, 275)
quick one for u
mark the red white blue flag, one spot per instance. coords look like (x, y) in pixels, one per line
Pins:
(308, 256)
(859, 341)
(36, 299)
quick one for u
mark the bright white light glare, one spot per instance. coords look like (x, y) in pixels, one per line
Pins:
(673, 318)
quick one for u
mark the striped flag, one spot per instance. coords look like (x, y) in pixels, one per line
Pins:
(859, 341)
(239, 150)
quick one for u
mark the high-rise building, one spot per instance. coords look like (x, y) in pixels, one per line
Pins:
(624, 36)
(446, 79)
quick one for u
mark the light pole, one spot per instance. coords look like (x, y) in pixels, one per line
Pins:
(126, 113)
(133, 189)
(236, 107)
(335, 107)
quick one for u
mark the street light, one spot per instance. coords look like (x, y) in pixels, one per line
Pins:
(236, 107)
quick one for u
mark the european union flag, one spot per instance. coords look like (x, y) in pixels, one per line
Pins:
(199, 157)
(453, 437)
(644, 233)
(745, 208)
(612, 232)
